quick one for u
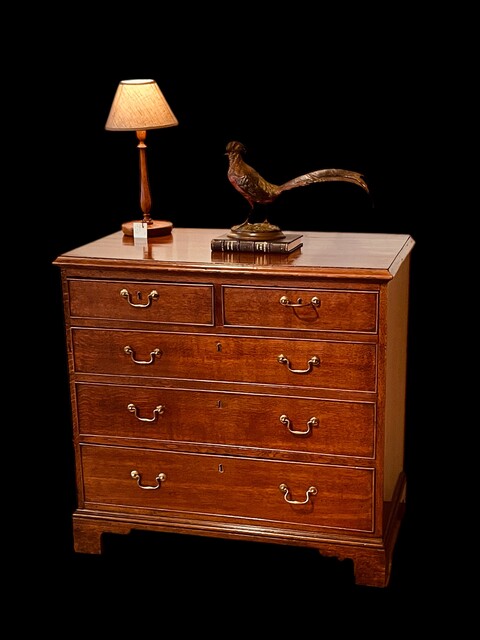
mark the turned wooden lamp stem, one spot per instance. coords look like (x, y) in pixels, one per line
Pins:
(145, 197)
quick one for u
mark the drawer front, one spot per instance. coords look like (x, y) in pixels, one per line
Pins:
(307, 363)
(202, 486)
(306, 309)
(142, 302)
(218, 419)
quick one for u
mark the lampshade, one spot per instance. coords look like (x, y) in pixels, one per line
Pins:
(139, 105)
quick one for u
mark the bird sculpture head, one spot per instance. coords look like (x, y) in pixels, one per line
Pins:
(235, 147)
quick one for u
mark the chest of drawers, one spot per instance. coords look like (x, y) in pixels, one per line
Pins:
(244, 396)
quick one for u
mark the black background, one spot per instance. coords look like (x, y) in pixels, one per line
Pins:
(301, 94)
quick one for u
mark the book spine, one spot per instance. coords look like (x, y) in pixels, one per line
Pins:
(254, 246)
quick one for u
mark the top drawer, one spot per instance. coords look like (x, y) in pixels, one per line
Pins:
(306, 309)
(159, 302)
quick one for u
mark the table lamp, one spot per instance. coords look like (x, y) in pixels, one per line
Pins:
(139, 105)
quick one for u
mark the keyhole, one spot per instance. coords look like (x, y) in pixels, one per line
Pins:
(220, 468)
(219, 346)
(139, 295)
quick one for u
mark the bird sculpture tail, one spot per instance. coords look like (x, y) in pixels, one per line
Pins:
(326, 175)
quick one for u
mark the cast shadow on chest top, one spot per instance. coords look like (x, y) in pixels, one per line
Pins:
(256, 401)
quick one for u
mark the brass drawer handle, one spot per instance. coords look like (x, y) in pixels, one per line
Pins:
(310, 491)
(129, 351)
(313, 422)
(156, 412)
(153, 295)
(160, 478)
(314, 302)
(313, 362)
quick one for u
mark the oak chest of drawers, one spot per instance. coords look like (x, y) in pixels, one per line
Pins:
(241, 395)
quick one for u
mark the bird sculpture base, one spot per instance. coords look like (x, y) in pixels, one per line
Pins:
(261, 231)
(154, 229)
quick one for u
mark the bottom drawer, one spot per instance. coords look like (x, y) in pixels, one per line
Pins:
(200, 486)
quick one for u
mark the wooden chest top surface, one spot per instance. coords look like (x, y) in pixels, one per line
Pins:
(367, 255)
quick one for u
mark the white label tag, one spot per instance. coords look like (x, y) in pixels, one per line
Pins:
(139, 230)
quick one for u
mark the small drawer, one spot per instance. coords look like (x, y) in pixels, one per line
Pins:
(306, 309)
(163, 303)
(242, 490)
(304, 363)
(213, 419)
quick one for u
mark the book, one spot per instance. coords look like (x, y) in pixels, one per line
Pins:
(289, 243)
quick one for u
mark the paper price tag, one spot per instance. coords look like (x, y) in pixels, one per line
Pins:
(139, 230)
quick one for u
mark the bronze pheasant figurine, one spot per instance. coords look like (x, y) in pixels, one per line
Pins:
(256, 190)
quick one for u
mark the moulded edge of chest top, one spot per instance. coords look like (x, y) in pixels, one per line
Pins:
(292, 278)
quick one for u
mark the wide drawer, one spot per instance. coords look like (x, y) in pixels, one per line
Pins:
(307, 363)
(142, 302)
(220, 419)
(307, 309)
(201, 486)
